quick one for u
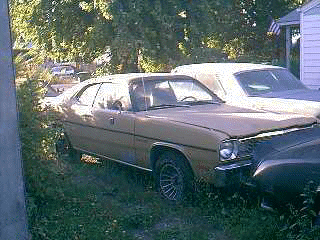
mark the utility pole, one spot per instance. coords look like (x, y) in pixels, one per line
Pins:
(12, 199)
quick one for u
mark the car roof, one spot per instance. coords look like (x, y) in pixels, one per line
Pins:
(122, 79)
(219, 67)
(126, 78)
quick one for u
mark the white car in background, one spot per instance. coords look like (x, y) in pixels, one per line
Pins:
(256, 86)
(63, 71)
(56, 94)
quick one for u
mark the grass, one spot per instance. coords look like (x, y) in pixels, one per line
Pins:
(110, 201)
(92, 200)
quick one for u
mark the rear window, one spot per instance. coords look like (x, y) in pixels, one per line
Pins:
(260, 82)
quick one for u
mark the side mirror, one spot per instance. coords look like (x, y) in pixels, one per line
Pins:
(117, 105)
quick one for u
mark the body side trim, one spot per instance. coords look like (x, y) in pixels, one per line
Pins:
(112, 159)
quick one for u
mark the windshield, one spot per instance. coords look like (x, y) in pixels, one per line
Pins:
(154, 94)
(260, 82)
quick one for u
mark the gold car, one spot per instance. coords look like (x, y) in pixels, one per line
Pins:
(172, 125)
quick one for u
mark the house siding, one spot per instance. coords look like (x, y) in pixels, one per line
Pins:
(310, 47)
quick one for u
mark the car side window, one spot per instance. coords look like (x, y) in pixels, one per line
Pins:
(140, 96)
(213, 83)
(87, 95)
(112, 96)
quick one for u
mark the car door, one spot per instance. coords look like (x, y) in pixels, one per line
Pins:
(79, 119)
(114, 124)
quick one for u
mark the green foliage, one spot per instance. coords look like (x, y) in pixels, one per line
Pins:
(138, 216)
(149, 65)
(66, 30)
(27, 66)
(154, 30)
(298, 220)
(37, 136)
(171, 32)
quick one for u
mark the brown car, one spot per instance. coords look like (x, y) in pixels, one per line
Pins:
(176, 127)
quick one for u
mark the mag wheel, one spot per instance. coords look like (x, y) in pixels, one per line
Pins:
(173, 177)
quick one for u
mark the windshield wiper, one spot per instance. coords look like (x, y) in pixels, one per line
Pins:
(166, 106)
(201, 102)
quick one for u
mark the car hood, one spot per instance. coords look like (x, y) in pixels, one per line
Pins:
(303, 94)
(305, 102)
(236, 122)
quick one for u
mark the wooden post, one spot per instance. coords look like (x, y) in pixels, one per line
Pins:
(288, 46)
(12, 200)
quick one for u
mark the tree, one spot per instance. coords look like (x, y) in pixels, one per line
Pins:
(72, 30)
(67, 30)
(155, 29)
(134, 32)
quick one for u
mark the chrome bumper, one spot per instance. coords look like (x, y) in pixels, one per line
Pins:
(232, 174)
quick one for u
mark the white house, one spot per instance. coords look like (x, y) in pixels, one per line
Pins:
(310, 44)
(308, 17)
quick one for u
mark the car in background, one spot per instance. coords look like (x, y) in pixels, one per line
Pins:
(256, 86)
(63, 71)
(175, 127)
(55, 94)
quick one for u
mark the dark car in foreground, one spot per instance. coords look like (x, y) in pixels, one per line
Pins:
(177, 128)
(288, 163)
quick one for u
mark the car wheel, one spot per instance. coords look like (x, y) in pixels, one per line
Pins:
(75, 155)
(63, 146)
(173, 177)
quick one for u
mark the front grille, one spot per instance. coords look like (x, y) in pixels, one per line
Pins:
(256, 148)
(246, 150)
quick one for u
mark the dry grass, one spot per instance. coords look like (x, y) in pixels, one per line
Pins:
(98, 199)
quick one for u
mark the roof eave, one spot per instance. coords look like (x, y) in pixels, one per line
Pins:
(292, 18)
(289, 23)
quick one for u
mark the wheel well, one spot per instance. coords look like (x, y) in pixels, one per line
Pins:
(158, 150)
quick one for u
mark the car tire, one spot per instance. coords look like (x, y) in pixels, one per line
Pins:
(174, 178)
(63, 146)
(75, 155)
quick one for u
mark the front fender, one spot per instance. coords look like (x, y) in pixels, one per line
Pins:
(153, 151)
(287, 163)
(287, 177)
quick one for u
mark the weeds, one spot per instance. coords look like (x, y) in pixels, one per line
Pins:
(298, 221)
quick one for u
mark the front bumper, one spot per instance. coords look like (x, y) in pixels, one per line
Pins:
(232, 174)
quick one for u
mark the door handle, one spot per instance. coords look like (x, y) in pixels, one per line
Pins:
(111, 121)
(87, 117)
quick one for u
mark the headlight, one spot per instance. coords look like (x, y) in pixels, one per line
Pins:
(228, 150)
